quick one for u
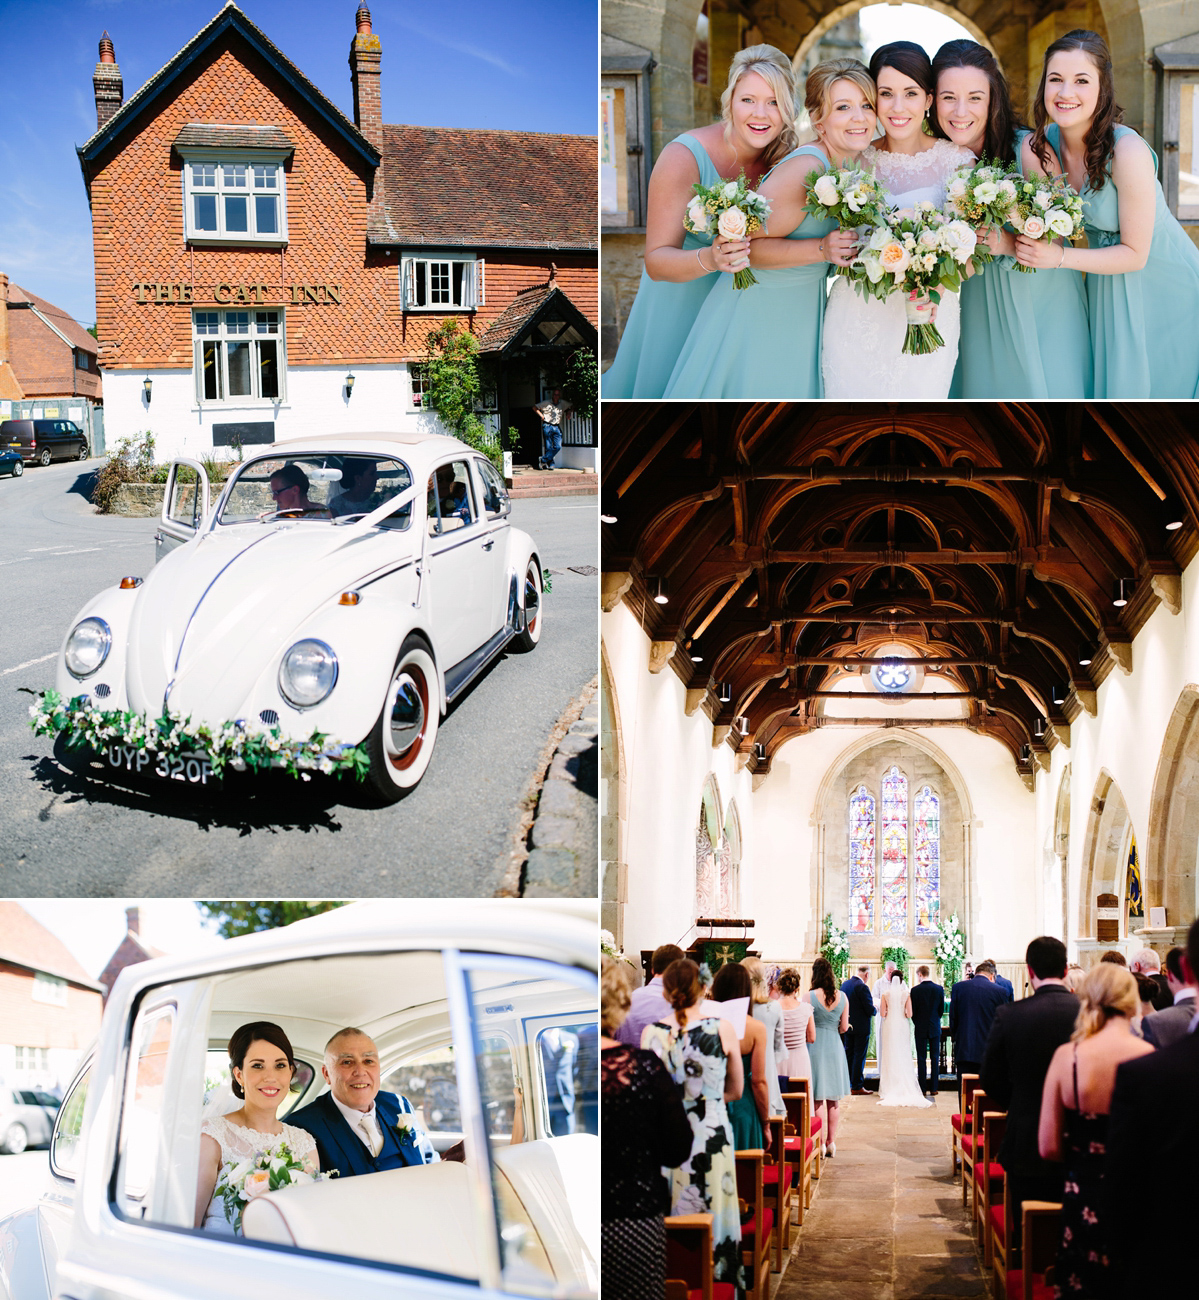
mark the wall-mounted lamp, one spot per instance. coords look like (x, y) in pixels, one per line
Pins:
(693, 651)
(607, 513)
(147, 388)
(760, 752)
(1174, 523)
(1123, 587)
(660, 595)
(1025, 753)
(1084, 655)
(742, 724)
(724, 692)
(1058, 693)
(1038, 728)
(349, 386)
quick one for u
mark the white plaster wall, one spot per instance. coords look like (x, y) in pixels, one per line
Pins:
(1125, 737)
(667, 756)
(316, 403)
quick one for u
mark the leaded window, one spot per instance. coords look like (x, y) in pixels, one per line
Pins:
(861, 862)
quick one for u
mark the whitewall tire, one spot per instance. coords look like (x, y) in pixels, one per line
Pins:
(533, 607)
(401, 742)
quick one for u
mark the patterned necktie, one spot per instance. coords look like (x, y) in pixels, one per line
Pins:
(370, 1135)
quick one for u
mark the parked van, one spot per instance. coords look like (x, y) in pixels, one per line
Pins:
(41, 441)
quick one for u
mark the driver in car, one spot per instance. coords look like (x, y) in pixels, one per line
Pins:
(289, 487)
(358, 1129)
(359, 478)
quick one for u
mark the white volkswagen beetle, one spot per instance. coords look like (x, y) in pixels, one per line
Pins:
(484, 1013)
(324, 614)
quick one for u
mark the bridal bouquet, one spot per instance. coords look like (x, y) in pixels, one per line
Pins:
(737, 212)
(239, 1183)
(919, 252)
(1046, 208)
(984, 195)
(850, 196)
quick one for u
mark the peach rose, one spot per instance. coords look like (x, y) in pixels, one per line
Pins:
(732, 223)
(256, 1183)
(895, 258)
(1034, 227)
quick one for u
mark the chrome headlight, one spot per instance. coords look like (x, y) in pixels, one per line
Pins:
(88, 647)
(308, 673)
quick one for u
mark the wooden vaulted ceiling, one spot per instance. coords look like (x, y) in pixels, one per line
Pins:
(796, 543)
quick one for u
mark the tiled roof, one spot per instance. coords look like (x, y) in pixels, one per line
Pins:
(64, 324)
(451, 187)
(204, 135)
(26, 942)
(519, 312)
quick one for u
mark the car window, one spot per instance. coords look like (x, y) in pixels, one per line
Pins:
(65, 1147)
(567, 1056)
(330, 487)
(429, 1081)
(141, 1130)
(186, 498)
(495, 494)
(451, 498)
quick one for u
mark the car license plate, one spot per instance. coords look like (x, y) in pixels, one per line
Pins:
(195, 769)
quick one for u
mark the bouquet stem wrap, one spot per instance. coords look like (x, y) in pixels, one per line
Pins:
(922, 336)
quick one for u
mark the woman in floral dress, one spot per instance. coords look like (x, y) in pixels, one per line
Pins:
(703, 1056)
(1075, 1107)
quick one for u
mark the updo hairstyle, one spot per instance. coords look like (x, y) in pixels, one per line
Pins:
(1108, 990)
(757, 978)
(681, 987)
(776, 70)
(256, 1031)
(908, 58)
(789, 981)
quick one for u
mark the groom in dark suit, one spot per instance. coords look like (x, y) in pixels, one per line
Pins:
(358, 1129)
(857, 1039)
(928, 1006)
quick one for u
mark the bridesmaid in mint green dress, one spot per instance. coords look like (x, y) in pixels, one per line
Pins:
(830, 1070)
(681, 266)
(1142, 271)
(1023, 336)
(764, 341)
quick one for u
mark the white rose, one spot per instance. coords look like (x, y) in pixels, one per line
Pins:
(930, 238)
(826, 190)
(1034, 227)
(957, 188)
(697, 214)
(1061, 223)
(732, 223)
(1008, 190)
(987, 192)
(959, 239)
(1042, 198)
(879, 239)
(730, 190)
(928, 261)
(1016, 220)
(873, 267)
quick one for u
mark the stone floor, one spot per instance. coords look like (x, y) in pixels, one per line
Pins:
(886, 1222)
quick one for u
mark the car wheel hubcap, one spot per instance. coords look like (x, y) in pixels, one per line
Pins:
(532, 601)
(409, 711)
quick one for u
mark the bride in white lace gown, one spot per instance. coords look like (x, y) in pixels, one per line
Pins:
(862, 353)
(263, 1067)
(897, 1084)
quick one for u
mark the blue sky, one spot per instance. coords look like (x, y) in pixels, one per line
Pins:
(528, 65)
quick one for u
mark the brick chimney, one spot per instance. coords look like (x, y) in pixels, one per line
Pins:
(365, 57)
(110, 89)
(10, 386)
(133, 920)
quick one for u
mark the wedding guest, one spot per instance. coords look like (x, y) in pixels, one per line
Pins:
(1164, 1028)
(1147, 962)
(830, 1075)
(1074, 977)
(749, 1112)
(799, 1027)
(769, 1014)
(1146, 990)
(1002, 982)
(1022, 335)
(972, 1007)
(645, 1128)
(703, 1057)
(1153, 1141)
(1142, 270)
(755, 131)
(928, 1006)
(649, 1002)
(1021, 1045)
(857, 1039)
(1075, 1105)
(765, 342)
(1116, 958)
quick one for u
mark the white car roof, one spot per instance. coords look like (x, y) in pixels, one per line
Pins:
(424, 447)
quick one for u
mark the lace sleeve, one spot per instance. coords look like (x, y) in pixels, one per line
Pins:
(303, 1146)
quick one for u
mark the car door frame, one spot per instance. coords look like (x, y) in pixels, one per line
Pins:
(173, 532)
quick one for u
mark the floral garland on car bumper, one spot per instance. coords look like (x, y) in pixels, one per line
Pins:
(233, 744)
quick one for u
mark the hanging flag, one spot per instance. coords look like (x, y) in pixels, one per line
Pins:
(1136, 900)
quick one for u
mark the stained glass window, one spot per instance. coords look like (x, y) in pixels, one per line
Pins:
(895, 853)
(927, 853)
(861, 862)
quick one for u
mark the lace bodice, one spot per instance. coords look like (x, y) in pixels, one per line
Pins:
(909, 178)
(238, 1143)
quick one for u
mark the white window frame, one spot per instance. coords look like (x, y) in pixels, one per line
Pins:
(220, 159)
(50, 989)
(416, 385)
(227, 331)
(474, 281)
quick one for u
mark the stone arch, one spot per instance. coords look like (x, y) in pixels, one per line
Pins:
(1104, 851)
(1169, 858)
(842, 12)
(732, 839)
(829, 820)
(613, 807)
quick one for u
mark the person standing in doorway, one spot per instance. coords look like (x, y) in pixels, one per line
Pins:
(928, 1006)
(552, 413)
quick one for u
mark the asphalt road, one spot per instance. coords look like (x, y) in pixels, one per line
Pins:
(64, 831)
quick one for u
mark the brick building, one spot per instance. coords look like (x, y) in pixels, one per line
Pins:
(49, 1008)
(129, 952)
(48, 363)
(267, 268)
